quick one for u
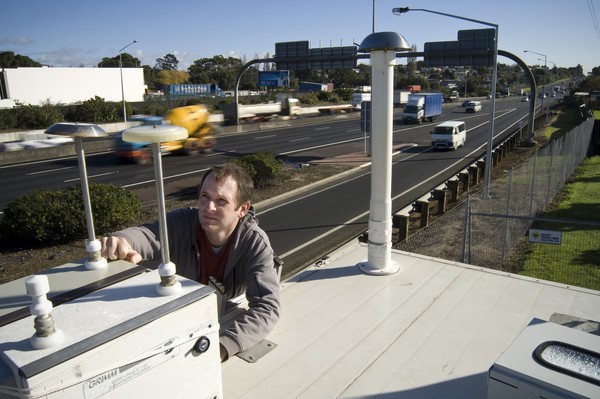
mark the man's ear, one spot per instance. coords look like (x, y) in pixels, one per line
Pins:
(244, 209)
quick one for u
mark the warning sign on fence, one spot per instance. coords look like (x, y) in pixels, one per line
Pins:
(545, 236)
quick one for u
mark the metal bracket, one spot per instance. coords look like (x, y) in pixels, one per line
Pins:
(253, 354)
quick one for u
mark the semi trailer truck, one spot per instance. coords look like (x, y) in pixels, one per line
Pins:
(421, 107)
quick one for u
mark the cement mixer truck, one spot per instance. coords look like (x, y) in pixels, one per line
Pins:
(195, 118)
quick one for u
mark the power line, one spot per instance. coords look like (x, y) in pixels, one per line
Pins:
(593, 15)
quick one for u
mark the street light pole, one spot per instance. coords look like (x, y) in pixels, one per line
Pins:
(121, 71)
(550, 89)
(490, 143)
(373, 31)
(544, 86)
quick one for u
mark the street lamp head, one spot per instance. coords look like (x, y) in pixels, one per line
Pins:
(533, 52)
(383, 41)
(135, 41)
(400, 10)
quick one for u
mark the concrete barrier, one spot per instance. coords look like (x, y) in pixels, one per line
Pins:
(100, 145)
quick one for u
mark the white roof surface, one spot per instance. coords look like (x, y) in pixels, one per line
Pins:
(432, 330)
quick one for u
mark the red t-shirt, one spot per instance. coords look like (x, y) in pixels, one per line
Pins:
(212, 263)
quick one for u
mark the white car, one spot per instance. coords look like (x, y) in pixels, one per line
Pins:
(524, 99)
(36, 140)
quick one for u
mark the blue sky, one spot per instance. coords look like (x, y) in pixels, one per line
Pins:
(70, 33)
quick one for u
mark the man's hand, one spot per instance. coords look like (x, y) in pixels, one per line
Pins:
(224, 354)
(119, 248)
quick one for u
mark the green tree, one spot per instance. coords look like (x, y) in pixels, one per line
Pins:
(347, 78)
(129, 61)
(8, 59)
(168, 63)
(150, 77)
(220, 70)
(166, 77)
(415, 80)
(590, 83)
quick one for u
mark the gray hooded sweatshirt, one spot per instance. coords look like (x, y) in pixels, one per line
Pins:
(250, 269)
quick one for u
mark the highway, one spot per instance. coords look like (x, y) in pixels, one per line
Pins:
(305, 227)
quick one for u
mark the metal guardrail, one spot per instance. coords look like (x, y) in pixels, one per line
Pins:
(100, 145)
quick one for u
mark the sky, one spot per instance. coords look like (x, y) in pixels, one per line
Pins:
(73, 33)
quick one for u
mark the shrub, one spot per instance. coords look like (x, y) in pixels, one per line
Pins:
(97, 110)
(344, 94)
(24, 116)
(263, 167)
(8, 119)
(309, 99)
(47, 217)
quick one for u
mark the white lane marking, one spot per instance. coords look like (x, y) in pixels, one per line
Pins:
(321, 146)
(51, 160)
(48, 171)
(167, 177)
(91, 177)
(300, 139)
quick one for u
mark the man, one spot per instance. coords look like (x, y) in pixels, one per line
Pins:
(219, 239)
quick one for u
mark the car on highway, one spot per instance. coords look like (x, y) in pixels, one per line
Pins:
(449, 135)
(524, 99)
(33, 140)
(473, 106)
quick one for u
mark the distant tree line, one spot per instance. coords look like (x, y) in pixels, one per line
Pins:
(224, 70)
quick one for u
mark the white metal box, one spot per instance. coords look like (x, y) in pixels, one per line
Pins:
(523, 371)
(123, 340)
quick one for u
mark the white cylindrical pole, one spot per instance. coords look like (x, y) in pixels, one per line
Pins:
(380, 220)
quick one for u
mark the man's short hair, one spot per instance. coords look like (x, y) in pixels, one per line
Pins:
(245, 185)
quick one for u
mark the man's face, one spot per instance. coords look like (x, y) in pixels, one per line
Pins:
(218, 211)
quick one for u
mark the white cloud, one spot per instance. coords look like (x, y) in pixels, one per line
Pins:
(16, 40)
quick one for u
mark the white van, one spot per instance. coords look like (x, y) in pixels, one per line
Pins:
(358, 98)
(450, 134)
(473, 106)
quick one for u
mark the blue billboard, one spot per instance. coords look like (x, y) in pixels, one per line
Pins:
(274, 78)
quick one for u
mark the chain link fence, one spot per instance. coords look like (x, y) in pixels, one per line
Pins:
(494, 232)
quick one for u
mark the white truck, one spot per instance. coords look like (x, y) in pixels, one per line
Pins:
(260, 112)
(401, 97)
(358, 98)
(421, 107)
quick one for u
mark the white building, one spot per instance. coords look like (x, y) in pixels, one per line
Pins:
(69, 85)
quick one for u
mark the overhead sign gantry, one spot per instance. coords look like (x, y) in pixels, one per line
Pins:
(298, 56)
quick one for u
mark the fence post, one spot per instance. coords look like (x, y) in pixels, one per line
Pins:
(465, 178)
(466, 231)
(401, 220)
(505, 242)
(550, 175)
(439, 194)
(423, 207)
(453, 187)
(474, 171)
(531, 189)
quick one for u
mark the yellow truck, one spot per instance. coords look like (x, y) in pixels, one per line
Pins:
(202, 135)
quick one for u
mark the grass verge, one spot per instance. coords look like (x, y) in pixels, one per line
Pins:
(576, 261)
